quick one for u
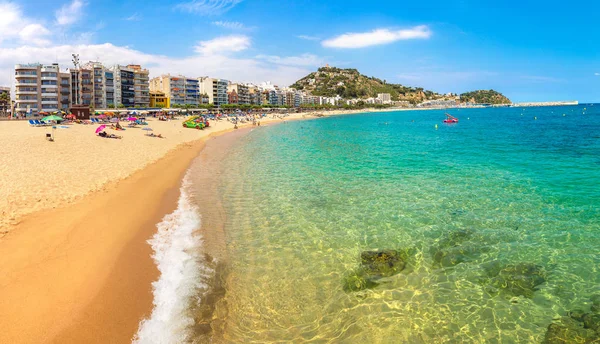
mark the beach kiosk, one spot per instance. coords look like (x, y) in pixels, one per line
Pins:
(81, 111)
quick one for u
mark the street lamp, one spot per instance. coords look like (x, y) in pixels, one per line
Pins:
(76, 64)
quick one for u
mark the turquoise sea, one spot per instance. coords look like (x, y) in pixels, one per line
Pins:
(492, 226)
(304, 199)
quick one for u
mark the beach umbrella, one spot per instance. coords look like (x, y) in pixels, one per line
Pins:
(102, 116)
(114, 120)
(132, 118)
(52, 118)
(71, 116)
(147, 129)
(43, 113)
(100, 128)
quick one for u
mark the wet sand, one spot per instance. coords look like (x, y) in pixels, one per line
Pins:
(83, 273)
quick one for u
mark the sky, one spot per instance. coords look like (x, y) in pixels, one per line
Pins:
(528, 50)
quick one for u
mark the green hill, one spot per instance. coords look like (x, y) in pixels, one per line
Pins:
(484, 97)
(349, 83)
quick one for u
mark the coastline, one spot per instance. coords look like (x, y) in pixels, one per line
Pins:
(82, 271)
(88, 273)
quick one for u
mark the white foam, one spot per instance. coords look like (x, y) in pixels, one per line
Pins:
(182, 272)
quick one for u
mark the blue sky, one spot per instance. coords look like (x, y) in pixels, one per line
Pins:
(529, 50)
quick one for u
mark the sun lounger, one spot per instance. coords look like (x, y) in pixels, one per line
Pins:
(32, 123)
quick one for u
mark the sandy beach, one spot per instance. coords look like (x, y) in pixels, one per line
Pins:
(76, 266)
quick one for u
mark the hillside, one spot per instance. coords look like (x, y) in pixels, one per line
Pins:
(349, 83)
(484, 97)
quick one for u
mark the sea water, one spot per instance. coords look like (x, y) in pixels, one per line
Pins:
(514, 186)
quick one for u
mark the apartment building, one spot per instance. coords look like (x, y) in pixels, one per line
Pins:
(141, 85)
(242, 92)
(37, 88)
(216, 89)
(254, 95)
(93, 85)
(385, 98)
(179, 89)
(125, 86)
(64, 90)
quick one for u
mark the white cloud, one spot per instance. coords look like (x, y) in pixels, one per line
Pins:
(376, 37)
(221, 66)
(304, 60)
(70, 13)
(35, 34)
(308, 38)
(597, 74)
(134, 17)
(229, 25)
(10, 20)
(208, 7)
(16, 28)
(223, 45)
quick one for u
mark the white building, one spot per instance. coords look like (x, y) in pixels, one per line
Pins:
(41, 88)
(385, 98)
(216, 89)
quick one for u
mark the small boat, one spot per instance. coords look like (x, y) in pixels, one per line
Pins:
(450, 119)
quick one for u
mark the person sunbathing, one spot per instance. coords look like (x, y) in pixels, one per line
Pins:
(155, 135)
(109, 136)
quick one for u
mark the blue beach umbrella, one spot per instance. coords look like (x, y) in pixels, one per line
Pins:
(147, 129)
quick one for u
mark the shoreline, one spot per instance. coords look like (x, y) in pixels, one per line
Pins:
(54, 284)
(86, 277)
(82, 270)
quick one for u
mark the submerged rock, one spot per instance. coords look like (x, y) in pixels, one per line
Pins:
(453, 239)
(454, 248)
(358, 280)
(517, 279)
(592, 321)
(382, 263)
(568, 331)
(577, 314)
(374, 266)
(595, 303)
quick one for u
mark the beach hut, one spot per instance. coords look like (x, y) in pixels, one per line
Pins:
(81, 111)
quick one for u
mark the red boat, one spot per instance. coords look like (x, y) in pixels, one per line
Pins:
(450, 119)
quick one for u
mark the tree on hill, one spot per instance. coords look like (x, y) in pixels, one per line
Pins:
(484, 97)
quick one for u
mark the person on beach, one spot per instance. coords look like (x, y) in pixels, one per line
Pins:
(108, 136)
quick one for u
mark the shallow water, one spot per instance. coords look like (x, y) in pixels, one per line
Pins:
(304, 199)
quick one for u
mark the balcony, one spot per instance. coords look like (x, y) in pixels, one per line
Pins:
(25, 92)
(53, 78)
(27, 66)
(65, 91)
(49, 94)
(49, 102)
(19, 76)
(26, 100)
(50, 86)
(24, 83)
